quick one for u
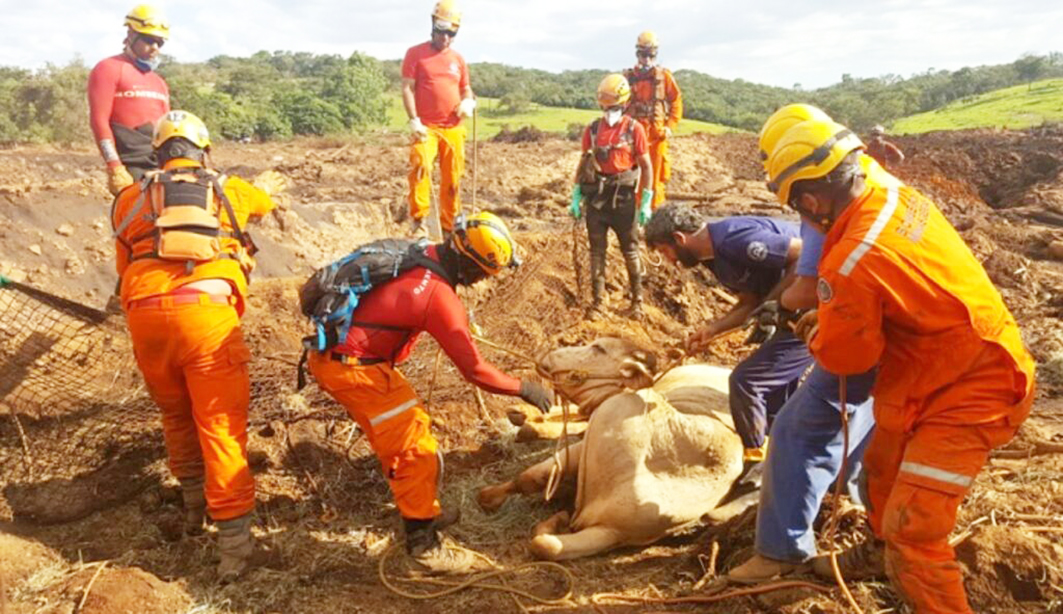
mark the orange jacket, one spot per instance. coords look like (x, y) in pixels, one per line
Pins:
(900, 289)
(146, 277)
(655, 99)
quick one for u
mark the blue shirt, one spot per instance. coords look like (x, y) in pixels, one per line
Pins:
(811, 250)
(750, 252)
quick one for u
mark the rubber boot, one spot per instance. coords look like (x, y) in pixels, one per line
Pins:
(597, 284)
(426, 547)
(195, 504)
(236, 547)
(634, 279)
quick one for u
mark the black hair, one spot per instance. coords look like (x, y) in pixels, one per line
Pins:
(179, 147)
(670, 219)
(462, 270)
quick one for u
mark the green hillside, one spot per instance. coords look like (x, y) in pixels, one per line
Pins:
(1014, 107)
(491, 119)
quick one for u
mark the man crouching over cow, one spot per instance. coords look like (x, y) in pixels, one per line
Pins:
(359, 372)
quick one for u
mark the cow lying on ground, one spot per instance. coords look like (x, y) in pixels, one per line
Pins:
(651, 462)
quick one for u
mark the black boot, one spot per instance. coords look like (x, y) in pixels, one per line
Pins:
(597, 280)
(634, 278)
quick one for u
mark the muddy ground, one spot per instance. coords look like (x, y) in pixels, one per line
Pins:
(92, 526)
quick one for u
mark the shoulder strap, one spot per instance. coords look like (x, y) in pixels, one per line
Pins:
(220, 192)
(594, 132)
(148, 179)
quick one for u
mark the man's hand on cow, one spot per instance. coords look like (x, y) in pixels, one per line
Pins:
(807, 326)
(534, 393)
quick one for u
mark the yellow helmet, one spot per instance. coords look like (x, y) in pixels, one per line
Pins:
(447, 10)
(647, 39)
(808, 150)
(782, 120)
(181, 124)
(484, 239)
(613, 90)
(146, 19)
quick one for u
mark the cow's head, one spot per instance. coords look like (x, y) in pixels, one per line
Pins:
(590, 374)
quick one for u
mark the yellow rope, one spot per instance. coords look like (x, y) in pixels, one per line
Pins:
(478, 580)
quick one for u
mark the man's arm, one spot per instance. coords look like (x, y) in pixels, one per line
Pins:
(646, 168)
(408, 99)
(893, 153)
(447, 322)
(103, 80)
(675, 98)
(737, 316)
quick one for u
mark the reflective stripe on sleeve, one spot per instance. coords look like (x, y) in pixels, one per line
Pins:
(394, 411)
(934, 473)
(872, 234)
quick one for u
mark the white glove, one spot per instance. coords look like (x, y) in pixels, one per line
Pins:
(466, 106)
(418, 129)
(667, 132)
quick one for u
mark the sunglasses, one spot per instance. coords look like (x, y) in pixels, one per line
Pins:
(450, 33)
(152, 40)
(646, 53)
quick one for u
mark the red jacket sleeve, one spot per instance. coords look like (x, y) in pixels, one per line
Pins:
(448, 324)
(641, 143)
(103, 81)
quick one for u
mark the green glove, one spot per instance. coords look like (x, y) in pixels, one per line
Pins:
(577, 200)
(4, 281)
(644, 209)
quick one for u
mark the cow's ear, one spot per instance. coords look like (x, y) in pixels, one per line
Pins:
(649, 359)
(636, 375)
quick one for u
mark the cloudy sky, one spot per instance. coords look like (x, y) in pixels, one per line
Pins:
(778, 42)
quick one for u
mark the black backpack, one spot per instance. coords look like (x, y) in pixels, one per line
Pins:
(333, 292)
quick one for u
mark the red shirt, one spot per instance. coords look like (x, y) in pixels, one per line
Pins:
(440, 78)
(418, 301)
(621, 156)
(120, 93)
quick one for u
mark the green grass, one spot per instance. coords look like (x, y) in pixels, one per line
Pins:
(1021, 106)
(549, 119)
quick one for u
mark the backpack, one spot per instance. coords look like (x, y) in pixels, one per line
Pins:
(330, 296)
(186, 209)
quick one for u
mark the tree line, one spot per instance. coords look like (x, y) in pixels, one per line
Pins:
(273, 95)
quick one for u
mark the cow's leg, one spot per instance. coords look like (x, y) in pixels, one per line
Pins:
(558, 523)
(574, 545)
(531, 480)
(548, 429)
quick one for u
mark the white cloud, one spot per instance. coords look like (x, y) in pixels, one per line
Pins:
(779, 42)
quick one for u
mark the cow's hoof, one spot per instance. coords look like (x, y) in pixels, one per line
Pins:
(558, 523)
(516, 418)
(527, 433)
(492, 497)
(546, 547)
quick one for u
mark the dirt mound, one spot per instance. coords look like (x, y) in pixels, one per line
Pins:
(322, 502)
(525, 134)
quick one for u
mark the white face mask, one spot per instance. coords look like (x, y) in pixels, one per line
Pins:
(612, 116)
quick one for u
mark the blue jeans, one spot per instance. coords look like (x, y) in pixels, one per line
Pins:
(761, 384)
(804, 458)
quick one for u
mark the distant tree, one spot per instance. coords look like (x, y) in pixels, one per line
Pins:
(515, 102)
(1030, 68)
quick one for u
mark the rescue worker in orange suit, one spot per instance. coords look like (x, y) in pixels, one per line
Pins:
(437, 95)
(884, 152)
(184, 260)
(898, 288)
(361, 374)
(657, 104)
(127, 97)
(615, 161)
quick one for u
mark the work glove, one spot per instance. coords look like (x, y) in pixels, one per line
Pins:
(118, 178)
(577, 200)
(466, 106)
(645, 212)
(419, 131)
(533, 393)
(807, 327)
(271, 182)
(667, 133)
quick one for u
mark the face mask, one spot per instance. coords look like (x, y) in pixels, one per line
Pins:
(147, 65)
(612, 116)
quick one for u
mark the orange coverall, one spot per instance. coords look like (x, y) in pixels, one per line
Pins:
(190, 349)
(658, 104)
(899, 288)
